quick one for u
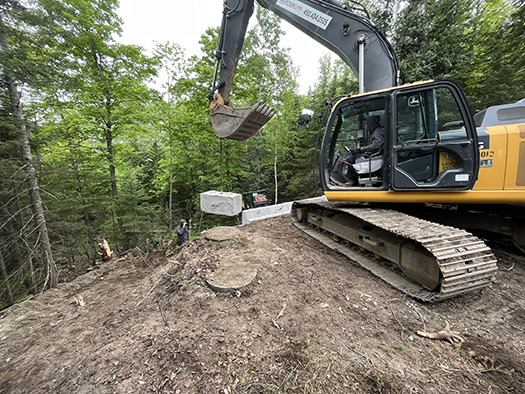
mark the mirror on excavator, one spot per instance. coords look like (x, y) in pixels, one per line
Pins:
(305, 118)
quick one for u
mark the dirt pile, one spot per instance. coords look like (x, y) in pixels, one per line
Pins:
(312, 321)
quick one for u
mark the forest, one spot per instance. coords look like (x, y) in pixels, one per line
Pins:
(89, 151)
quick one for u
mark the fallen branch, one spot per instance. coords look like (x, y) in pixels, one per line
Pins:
(162, 314)
(446, 334)
(282, 311)
(150, 290)
(80, 300)
(93, 337)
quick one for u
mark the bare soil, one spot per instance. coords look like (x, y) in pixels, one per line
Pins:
(312, 322)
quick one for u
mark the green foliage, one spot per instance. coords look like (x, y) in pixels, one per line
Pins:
(382, 14)
(432, 41)
(497, 74)
(476, 44)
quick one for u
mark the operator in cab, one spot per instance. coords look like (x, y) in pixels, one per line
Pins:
(377, 138)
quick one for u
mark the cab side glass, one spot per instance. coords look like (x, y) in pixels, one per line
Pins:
(348, 131)
(428, 116)
(429, 127)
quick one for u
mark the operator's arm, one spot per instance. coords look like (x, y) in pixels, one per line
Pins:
(376, 142)
(342, 27)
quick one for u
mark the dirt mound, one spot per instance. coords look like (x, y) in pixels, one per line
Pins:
(312, 321)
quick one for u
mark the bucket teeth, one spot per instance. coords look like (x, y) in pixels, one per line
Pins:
(239, 123)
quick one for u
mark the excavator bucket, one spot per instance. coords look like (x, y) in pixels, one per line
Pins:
(238, 123)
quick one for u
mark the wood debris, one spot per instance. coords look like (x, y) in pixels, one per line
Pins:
(446, 334)
(105, 251)
(80, 301)
(282, 311)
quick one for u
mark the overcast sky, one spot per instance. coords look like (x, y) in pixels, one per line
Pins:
(183, 22)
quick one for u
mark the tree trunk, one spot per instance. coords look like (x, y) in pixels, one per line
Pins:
(29, 168)
(395, 14)
(113, 174)
(171, 159)
(85, 212)
(36, 203)
(16, 256)
(109, 141)
(275, 163)
(220, 165)
(33, 288)
(5, 277)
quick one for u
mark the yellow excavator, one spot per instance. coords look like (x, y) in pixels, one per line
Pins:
(437, 167)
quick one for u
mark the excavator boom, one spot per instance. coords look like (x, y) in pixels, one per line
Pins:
(342, 28)
(345, 29)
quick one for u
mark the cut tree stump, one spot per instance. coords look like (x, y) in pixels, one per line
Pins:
(222, 233)
(231, 276)
(105, 251)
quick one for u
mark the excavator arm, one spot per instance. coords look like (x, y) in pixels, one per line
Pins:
(345, 28)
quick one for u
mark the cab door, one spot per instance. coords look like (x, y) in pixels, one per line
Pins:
(434, 144)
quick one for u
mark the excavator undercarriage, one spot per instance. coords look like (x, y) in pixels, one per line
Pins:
(428, 261)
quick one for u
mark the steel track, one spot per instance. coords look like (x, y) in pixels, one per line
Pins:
(436, 261)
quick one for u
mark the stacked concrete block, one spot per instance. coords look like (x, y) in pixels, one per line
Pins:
(252, 215)
(221, 203)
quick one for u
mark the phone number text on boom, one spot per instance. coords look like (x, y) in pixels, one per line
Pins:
(316, 17)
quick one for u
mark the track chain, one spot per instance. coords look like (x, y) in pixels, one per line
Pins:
(465, 262)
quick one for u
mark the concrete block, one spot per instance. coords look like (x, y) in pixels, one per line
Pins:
(252, 215)
(221, 203)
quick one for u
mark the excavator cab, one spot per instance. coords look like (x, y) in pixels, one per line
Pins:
(421, 150)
